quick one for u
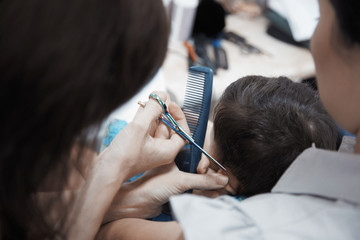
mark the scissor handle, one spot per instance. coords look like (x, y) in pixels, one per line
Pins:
(166, 112)
(160, 101)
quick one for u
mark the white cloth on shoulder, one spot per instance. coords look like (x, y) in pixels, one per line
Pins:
(318, 197)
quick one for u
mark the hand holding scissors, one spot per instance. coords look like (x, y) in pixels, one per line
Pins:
(171, 123)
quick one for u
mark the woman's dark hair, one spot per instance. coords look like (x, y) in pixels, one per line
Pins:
(348, 19)
(262, 124)
(64, 66)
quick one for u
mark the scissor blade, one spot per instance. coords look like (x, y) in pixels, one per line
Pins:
(186, 136)
(208, 155)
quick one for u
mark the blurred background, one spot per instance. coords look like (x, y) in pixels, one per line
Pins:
(235, 38)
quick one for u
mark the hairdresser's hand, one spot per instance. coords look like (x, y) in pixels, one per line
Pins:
(146, 143)
(145, 197)
(206, 166)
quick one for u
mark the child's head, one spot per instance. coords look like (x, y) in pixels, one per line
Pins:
(262, 124)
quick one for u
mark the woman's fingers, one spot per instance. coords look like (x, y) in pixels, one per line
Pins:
(203, 165)
(211, 193)
(162, 131)
(203, 181)
(147, 141)
(162, 151)
(151, 111)
(166, 140)
(178, 115)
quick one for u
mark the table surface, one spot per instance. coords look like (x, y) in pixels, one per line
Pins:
(280, 59)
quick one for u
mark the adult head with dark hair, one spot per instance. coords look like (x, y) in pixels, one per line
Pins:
(348, 22)
(335, 47)
(64, 66)
(262, 124)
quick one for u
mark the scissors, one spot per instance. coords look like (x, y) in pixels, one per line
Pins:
(171, 123)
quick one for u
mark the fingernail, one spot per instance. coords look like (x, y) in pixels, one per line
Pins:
(222, 180)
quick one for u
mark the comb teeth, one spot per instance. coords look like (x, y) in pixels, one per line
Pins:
(196, 88)
(196, 109)
(193, 99)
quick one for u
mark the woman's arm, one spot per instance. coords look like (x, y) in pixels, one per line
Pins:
(132, 228)
(143, 144)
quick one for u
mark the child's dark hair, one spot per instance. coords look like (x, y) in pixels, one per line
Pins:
(262, 124)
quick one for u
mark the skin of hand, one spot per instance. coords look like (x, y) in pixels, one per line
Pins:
(206, 167)
(145, 197)
(142, 145)
(135, 228)
(145, 142)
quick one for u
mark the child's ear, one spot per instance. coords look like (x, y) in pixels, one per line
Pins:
(230, 188)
